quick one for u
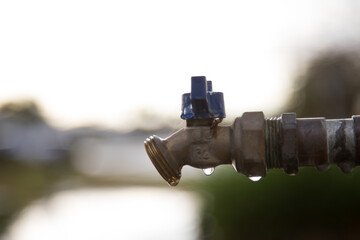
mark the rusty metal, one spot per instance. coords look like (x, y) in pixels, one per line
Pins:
(312, 143)
(342, 143)
(254, 144)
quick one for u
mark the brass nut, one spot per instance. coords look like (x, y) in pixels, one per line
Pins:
(289, 153)
(249, 143)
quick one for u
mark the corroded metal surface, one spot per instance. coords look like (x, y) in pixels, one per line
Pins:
(312, 145)
(341, 143)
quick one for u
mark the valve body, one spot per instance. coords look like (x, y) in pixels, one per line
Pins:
(252, 144)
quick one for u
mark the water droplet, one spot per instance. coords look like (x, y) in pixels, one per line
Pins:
(208, 171)
(255, 178)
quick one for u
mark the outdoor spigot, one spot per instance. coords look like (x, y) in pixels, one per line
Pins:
(200, 108)
(252, 144)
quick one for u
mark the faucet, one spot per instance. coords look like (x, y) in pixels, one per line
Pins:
(252, 144)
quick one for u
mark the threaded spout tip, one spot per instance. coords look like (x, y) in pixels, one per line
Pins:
(160, 163)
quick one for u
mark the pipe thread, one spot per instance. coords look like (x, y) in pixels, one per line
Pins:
(272, 142)
(159, 161)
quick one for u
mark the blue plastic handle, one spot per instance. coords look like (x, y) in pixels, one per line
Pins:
(202, 102)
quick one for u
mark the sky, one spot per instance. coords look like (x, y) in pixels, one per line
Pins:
(105, 62)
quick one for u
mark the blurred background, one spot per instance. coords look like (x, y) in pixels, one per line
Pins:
(83, 83)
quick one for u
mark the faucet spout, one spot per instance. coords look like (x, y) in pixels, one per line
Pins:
(166, 166)
(199, 147)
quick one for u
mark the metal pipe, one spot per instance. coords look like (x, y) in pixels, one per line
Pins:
(254, 144)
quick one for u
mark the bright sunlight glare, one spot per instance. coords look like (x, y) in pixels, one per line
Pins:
(100, 61)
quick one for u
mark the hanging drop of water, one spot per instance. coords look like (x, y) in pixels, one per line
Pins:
(255, 178)
(208, 171)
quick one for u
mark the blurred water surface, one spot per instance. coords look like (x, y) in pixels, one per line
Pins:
(110, 213)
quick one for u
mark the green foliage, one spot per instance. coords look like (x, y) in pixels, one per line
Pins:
(20, 184)
(21, 110)
(281, 206)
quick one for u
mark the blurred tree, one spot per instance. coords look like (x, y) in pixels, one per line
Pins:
(26, 110)
(32, 158)
(329, 87)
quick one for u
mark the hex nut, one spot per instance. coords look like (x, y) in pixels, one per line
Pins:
(288, 142)
(249, 144)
